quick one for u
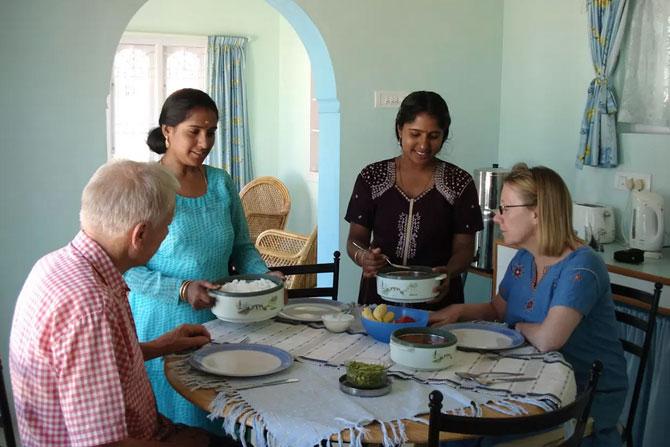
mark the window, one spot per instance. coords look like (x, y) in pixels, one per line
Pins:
(643, 76)
(147, 69)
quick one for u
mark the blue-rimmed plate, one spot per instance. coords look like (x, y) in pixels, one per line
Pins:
(309, 310)
(241, 360)
(484, 336)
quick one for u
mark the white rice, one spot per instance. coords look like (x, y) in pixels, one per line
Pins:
(241, 285)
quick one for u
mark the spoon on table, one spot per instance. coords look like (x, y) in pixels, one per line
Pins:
(398, 266)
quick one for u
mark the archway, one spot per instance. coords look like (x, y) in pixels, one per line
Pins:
(328, 201)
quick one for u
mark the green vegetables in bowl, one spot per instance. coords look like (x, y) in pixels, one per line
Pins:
(366, 375)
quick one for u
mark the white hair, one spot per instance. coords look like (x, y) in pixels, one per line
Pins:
(123, 193)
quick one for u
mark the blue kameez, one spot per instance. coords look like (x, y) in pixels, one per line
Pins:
(206, 233)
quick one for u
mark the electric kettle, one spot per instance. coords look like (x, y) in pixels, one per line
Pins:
(646, 223)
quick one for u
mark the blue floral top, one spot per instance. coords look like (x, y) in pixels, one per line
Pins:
(579, 281)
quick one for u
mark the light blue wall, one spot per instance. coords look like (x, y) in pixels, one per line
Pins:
(546, 71)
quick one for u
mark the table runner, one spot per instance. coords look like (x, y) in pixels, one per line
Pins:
(314, 409)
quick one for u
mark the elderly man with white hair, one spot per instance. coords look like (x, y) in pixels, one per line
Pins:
(77, 368)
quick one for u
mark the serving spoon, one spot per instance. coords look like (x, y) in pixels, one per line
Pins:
(398, 266)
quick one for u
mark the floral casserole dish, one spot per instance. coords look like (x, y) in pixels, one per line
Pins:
(427, 349)
(248, 298)
(414, 285)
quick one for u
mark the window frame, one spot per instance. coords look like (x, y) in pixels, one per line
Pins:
(159, 41)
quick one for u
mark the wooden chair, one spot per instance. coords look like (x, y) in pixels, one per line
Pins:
(329, 267)
(578, 410)
(283, 248)
(266, 204)
(5, 415)
(642, 301)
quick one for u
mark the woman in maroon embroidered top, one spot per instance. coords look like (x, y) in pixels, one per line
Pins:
(415, 208)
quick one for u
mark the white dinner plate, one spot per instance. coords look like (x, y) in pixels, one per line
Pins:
(485, 336)
(309, 310)
(241, 360)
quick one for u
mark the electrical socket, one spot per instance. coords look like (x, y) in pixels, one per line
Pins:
(389, 99)
(621, 177)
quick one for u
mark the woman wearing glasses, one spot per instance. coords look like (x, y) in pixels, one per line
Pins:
(556, 291)
(415, 209)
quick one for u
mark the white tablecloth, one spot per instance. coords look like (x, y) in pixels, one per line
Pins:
(304, 413)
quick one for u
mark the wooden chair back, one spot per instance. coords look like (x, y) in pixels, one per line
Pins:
(641, 300)
(284, 248)
(308, 292)
(487, 426)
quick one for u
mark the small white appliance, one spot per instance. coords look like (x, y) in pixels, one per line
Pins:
(646, 221)
(593, 220)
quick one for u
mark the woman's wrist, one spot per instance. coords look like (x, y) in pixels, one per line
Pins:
(357, 255)
(183, 290)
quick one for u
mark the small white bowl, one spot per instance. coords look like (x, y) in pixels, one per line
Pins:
(338, 322)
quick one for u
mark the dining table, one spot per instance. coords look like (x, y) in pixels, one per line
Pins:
(308, 406)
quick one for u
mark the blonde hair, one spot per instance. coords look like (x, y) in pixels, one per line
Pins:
(546, 190)
(123, 193)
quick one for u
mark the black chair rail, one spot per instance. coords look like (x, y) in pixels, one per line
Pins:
(306, 269)
(488, 426)
(647, 302)
(5, 415)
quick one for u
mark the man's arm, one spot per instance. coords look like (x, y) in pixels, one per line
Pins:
(186, 336)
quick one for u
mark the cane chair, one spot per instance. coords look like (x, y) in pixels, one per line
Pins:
(578, 410)
(307, 292)
(283, 248)
(648, 302)
(5, 415)
(266, 204)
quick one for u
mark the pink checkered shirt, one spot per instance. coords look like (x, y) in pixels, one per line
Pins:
(76, 366)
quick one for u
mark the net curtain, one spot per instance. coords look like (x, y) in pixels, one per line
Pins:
(598, 139)
(226, 70)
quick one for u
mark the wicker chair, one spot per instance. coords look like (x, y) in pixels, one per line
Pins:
(266, 204)
(281, 248)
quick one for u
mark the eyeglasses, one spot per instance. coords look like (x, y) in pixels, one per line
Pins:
(502, 208)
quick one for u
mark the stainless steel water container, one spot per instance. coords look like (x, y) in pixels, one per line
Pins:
(489, 182)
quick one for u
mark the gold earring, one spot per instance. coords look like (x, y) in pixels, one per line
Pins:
(167, 143)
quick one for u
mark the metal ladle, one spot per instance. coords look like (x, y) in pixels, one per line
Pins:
(398, 266)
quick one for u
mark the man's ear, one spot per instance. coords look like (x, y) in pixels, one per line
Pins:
(138, 236)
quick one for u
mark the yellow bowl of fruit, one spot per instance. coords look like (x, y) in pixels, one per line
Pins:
(381, 320)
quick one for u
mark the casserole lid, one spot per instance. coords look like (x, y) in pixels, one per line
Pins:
(423, 337)
(414, 272)
(216, 292)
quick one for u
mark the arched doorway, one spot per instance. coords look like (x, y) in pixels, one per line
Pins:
(328, 218)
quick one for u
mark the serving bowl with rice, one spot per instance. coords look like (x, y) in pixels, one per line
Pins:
(248, 298)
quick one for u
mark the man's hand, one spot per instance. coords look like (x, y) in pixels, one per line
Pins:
(186, 336)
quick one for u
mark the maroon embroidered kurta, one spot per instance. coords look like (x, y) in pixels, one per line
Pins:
(415, 231)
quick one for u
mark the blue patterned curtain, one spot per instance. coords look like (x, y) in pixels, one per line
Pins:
(598, 139)
(232, 149)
